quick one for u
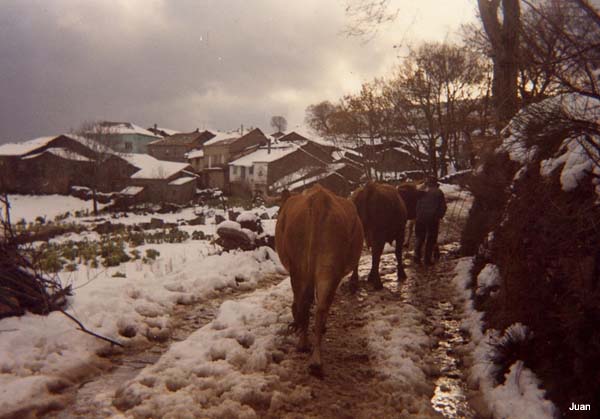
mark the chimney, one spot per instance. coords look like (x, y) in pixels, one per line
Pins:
(268, 146)
(155, 129)
(242, 129)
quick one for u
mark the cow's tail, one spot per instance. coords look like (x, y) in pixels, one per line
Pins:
(319, 206)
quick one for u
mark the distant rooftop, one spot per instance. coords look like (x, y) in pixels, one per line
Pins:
(264, 155)
(125, 128)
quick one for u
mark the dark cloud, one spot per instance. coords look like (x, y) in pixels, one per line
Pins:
(181, 64)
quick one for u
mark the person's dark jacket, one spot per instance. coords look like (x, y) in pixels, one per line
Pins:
(432, 206)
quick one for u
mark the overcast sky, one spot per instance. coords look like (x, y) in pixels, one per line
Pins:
(187, 64)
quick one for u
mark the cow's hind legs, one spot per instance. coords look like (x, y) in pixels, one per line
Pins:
(374, 277)
(303, 300)
(399, 261)
(325, 293)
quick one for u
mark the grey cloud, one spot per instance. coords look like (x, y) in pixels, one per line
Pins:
(181, 64)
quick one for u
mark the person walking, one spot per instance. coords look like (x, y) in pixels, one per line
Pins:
(430, 210)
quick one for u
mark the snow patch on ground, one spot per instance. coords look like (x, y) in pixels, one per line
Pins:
(487, 278)
(222, 370)
(35, 350)
(397, 339)
(29, 207)
(520, 396)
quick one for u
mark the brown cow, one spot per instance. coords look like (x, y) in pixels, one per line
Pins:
(319, 240)
(383, 215)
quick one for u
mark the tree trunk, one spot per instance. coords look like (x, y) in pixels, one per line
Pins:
(504, 39)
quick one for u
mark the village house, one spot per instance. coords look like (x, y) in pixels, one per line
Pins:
(176, 146)
(281, 165)
(63, 163)
(254, 172)
(123, 137)
(222, 149)
(54, 164)
(161, 181)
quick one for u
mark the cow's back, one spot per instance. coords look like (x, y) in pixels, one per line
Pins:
(317, 228)
(382, 211)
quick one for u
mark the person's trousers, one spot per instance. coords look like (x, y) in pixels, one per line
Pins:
(426, 232)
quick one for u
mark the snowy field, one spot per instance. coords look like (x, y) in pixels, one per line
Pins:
(130, 303)
(29, 207)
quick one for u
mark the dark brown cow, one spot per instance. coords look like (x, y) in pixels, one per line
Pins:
(319, 240)
(383, 215)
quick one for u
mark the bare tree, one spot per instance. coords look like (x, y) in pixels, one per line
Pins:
(441, 87)
(279, 123)
(365, 17)
(98, 138)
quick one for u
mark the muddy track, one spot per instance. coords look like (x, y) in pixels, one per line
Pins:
(354, 385)
(93, 397)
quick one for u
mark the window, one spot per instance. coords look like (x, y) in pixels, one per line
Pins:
(251, 170)
(128, 146)
(234, 170)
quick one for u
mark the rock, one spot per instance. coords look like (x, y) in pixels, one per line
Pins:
(156, 223)
(199, 220)
(107, 227)
(219, 219)
(231, 238)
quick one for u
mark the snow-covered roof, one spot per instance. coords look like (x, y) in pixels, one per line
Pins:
(125, 128)
(263, 155)
(152, 168)
(221, 136)
(132, 190)
(60, 152)
(182, 181)
(19, 149)
(167, 131)
(195, 154)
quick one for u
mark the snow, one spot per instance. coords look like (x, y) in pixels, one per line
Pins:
(520, 396)
(132, 190)
(167, 131)
(37, 351)
(195, 154)
(221, 368)
(19, 149)
(182, 181)
(60, 152)
(29, 207)
(247, 216)
(263, 155)
(220, 136)
(230, 224)
(576, 161)
(125, 128)
(152, 168)
(397, 338)
(487, 278)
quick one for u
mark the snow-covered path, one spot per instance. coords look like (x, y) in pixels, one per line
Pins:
(392, 353)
